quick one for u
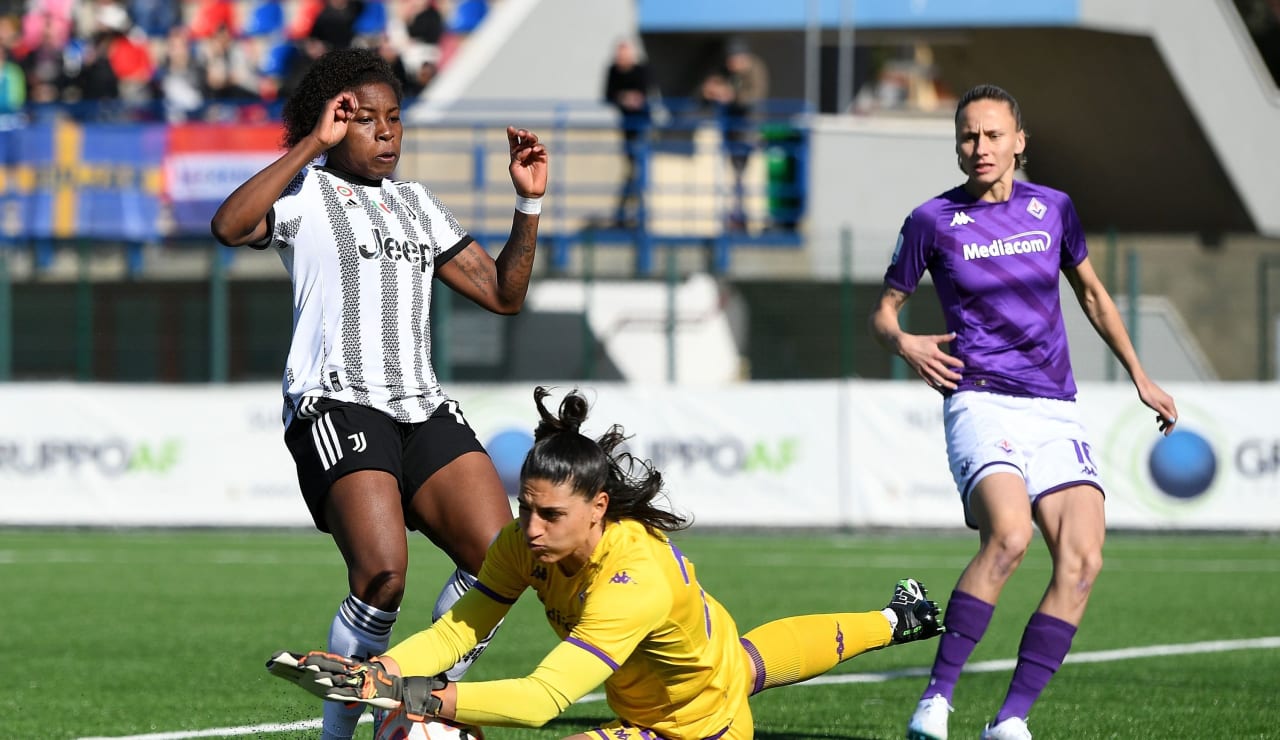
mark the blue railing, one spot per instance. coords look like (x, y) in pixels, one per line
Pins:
(68, 179)
(675, 173)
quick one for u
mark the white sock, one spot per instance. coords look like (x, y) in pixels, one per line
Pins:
(454, 588)
(359, 631)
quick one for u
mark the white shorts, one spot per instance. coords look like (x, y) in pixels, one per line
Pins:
(1040, 439)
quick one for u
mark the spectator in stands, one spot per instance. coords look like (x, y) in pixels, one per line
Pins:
(48, 18)
(96, 80)
(46, 68)
(427, 24)
(13, 84)
(180, 79)
(420, 41)
(128, 51)
(228, 74)
(626, 88)
(626, 603)
(736, 90)
(1018, 451)
(11, 36)
(110, 15)
(335, 25)
(377, 442)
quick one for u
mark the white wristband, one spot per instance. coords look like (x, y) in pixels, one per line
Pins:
(531, 206)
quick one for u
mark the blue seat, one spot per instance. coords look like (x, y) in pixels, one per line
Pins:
(372, 20)
(467, 15)
(265, 20)
(276, 61)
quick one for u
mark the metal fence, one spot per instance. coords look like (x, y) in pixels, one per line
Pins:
(75, 195)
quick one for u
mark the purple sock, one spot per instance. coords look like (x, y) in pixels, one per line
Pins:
(966, 620)
(1044, 644)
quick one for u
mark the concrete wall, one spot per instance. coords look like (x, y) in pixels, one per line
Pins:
(1217, 67)
(534, 50)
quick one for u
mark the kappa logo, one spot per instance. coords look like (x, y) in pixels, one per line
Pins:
(1037, 209)
(539, 572)
(1005, 445)
(960, 219)
(358, 442)
(621, 577)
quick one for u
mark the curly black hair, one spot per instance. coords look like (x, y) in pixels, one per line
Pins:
(336, 71)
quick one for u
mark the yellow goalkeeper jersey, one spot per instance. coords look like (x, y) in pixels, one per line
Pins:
(634, 617)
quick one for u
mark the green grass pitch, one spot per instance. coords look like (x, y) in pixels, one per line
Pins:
(163, 635)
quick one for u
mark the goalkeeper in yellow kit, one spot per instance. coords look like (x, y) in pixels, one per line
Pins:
(626, 604)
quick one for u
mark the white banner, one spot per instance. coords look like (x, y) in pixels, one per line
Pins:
(145, 455)
(862, 453)
(759, 454)
(1221, 470)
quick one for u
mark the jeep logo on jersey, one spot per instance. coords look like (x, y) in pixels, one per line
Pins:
(389, 248)
(1025, 243)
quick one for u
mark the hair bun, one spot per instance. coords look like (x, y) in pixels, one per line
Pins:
(573, 411)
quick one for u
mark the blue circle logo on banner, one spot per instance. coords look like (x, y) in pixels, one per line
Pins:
(1183, 464)
(507, 450)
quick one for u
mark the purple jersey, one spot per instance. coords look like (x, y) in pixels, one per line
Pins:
(995, 267)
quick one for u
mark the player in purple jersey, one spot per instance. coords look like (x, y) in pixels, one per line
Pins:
(994, 247)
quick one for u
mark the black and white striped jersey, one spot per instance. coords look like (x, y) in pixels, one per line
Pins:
(361, 255)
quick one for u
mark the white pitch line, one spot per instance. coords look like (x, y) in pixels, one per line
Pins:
(1097, 656)
(987, 666)
(1122, 562)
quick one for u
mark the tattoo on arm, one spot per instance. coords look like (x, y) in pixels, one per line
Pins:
(893, 297)
(474, 268)
(515, 262)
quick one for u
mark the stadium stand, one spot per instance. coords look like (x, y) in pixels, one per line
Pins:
(824, 200)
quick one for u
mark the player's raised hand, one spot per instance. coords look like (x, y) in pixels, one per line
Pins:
(528, 162)
(331, 126)
(923, 353)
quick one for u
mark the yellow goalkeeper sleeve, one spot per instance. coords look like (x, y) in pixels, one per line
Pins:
(438, 647)
(563, 677)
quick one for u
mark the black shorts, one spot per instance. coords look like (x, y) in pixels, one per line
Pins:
(338, 438)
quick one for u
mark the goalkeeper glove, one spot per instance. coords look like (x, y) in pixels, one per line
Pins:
(338, 678)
